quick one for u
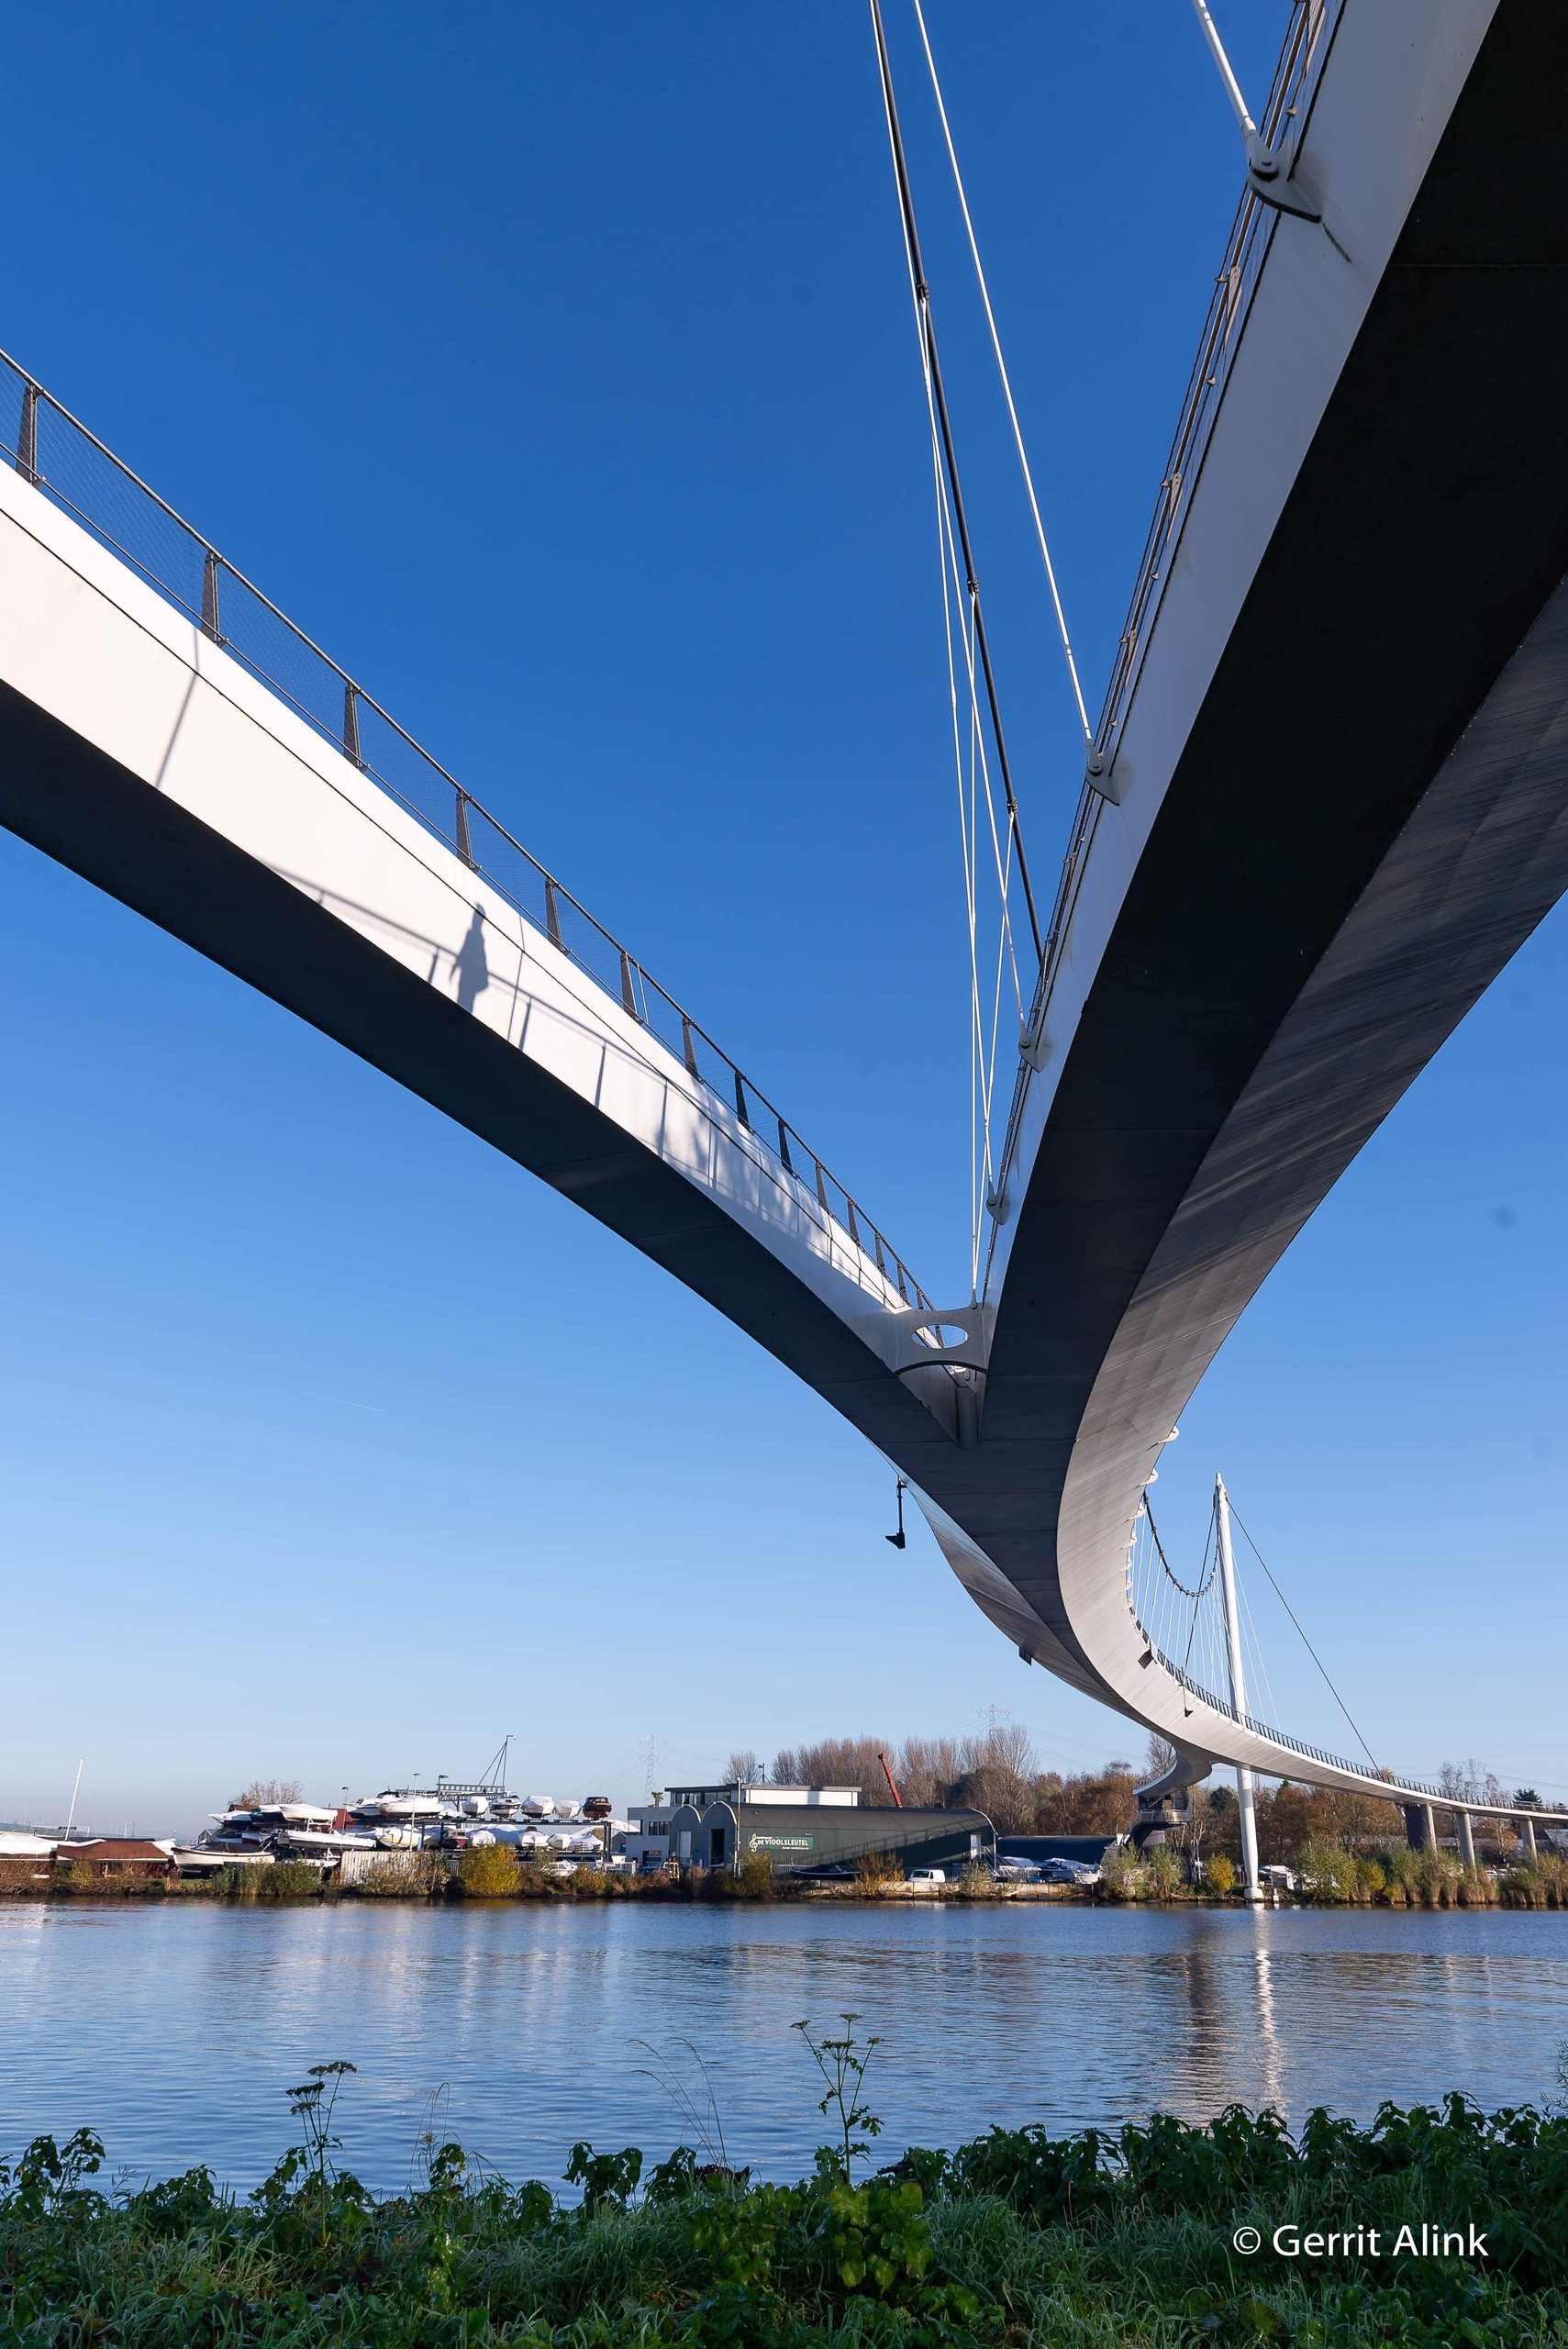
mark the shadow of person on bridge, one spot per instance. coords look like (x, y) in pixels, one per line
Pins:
(470, 967)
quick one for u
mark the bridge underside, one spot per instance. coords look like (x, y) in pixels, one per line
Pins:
(1365, 822)
(88, 811)
(1366, 816)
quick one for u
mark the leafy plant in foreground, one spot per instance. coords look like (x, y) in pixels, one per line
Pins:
(843, 2068)
(1021, 2240)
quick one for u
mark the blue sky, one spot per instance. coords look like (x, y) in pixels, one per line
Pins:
(553, 367)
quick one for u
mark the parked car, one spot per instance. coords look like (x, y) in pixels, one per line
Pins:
(928, 1876)
(1282, 1879)
(1076, 1872)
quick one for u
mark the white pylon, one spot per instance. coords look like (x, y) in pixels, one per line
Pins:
(1238, 1688)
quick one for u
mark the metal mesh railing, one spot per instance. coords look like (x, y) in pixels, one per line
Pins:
(51, 448)
(1278, 1736)
(1295, 77)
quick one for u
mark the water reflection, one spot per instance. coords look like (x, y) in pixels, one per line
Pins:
(176, 2033)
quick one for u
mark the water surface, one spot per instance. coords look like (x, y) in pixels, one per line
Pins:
(175, 2032)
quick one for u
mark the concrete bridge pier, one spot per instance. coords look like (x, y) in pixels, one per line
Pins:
(1466, 1838)
(1420, 1827)
(1527, 1829)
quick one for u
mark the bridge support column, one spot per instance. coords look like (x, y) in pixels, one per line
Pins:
(1418, 1825)
(1245, 1801)
(1466, 1838)
(1526, 1829)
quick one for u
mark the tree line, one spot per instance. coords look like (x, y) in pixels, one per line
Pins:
(997, 1770)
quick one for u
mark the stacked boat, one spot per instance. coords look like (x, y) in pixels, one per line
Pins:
(449, 1817)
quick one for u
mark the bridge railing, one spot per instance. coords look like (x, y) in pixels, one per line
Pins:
(1306, 49)
(53, 451)
(1276, 1736)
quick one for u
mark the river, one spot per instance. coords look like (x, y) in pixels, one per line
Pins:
(176, 2032)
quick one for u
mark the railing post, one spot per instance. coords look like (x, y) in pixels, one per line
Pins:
(821, 1188)
(28, 435)
(209, 597)
(464, 846)
(628, 992)
(740, 1109)
(852, 1226)
(552, 917)
(352, 724)
(784, 1148)
(689, 1048)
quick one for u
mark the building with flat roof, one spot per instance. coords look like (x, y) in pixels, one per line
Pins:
(799, 1830)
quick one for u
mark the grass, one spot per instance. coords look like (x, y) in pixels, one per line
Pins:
(1020, 2238)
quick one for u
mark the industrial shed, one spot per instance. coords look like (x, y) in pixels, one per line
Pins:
(731, 1824)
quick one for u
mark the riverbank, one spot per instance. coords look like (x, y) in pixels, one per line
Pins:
(1334, 1879)
(1442, 2227)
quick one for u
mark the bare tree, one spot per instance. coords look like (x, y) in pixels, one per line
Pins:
(926, 1767)
(835, 1762)
(746, 1769)
(262, 1793)
(1467, 1782)
(1160, 1756)
(1005, 1745)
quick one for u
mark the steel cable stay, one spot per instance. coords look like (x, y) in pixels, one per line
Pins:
(1253, 1646)
(1305, 1642)
(1006, 387)
(966, 831)
(1186, 1622)
(979, 1087)
(960, 581)
(949, 454)
(973, 773)
(984, 1047)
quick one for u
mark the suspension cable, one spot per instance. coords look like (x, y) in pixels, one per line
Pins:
(950, 456)
(1006, 387)
(1304, 1640)
(1205, 1572)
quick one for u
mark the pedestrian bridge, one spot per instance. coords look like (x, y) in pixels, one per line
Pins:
(1327, 800)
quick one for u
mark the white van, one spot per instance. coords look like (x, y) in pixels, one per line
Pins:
(928, 1876)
